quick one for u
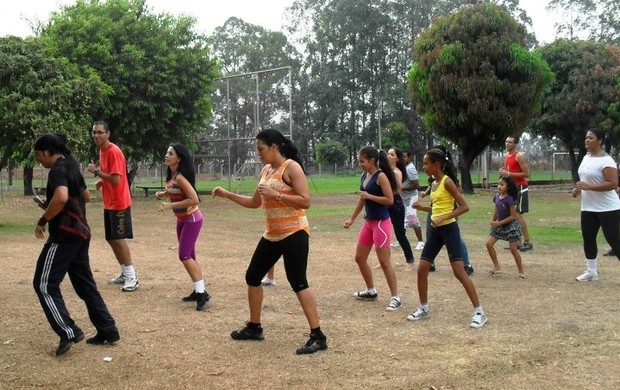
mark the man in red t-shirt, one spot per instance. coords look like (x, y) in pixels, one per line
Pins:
(114, 186)
(516, 167)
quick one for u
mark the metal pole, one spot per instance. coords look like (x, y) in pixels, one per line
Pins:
(257, 117)
(290, 104)
(379, 123)
(228, 128)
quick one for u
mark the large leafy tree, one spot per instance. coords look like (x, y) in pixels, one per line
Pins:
(159, 68)
(41, 93)
(584, 94)
(598, 20)
(474, 80)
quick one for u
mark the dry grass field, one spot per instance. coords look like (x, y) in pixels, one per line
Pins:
(547, 331)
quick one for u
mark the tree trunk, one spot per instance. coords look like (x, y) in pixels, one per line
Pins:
(28, 175)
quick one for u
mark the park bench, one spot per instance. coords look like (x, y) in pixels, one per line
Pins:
(148, 188)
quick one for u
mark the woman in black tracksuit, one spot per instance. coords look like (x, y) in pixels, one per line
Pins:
(66, 248)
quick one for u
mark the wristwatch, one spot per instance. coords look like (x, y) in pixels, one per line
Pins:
(96, 173)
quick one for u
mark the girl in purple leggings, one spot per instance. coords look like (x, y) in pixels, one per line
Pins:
(181, 189)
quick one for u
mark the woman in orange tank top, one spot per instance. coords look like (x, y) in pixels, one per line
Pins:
(283, 192)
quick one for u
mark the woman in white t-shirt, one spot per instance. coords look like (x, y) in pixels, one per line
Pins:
(600, 205)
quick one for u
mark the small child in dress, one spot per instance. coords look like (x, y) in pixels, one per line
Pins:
(504, 225)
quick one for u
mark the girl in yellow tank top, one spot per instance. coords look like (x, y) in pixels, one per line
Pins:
(444, 194)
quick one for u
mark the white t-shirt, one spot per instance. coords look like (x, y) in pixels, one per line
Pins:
(412, 174)
(591, 172)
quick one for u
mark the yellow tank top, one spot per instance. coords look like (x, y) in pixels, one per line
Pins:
(443, 202)
(282, 220)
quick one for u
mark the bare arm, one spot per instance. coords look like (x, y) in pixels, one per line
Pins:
(297, 179)
(358, 209)
(461, 207)
(611, 182)
(190, 193)
(388, 196)
(54, 207)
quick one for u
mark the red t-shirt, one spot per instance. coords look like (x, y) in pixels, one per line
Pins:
(112, 161)
(512, 165)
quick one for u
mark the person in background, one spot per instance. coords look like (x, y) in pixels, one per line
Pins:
(181, 189)
(66, 250)
(114, 186)
(283, 192)
(397, 209)
(516, 167)
(377, 187)
(444, 231)
(600, 205)
(409, 192)
(270, 278)
(611, 251)
(504, 225)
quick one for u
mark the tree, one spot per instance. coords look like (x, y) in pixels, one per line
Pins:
(158, 67)
(331, 152)
(583, 94)
(474, 80)
(598, 20)
(41, 93)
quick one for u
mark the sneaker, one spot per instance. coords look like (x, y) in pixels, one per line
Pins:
(130, 285)
(120, 279)
(420, 246)
(432, 267)
(268, 282)
(478, 320)
(104, 338)
(365, 295)
(248, 333)
(587, 277)
(470, 270)
(394, 245)
(418, 314)
(609, 253)
(190, 298)
(527, 246)
(313, 345)
(201, 300)
(394, 304)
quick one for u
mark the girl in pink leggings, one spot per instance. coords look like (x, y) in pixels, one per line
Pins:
(377, 187)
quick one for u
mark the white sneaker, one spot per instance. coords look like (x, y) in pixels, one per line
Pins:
(418, 314)
(420, 246)
(131, 284)
(120, 279)
(394, 245)
(394, 304)
(478, 320)
(268, 282)
(587, 277)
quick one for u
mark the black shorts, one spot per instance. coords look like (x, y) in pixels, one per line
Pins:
(523, 200)
(117, 224)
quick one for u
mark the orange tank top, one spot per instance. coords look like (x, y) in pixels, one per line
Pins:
(282, 220)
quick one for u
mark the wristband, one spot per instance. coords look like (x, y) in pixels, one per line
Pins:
(96, 173)
(42, 221)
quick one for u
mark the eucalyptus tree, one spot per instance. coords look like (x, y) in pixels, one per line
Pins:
(159, 69)
(41, 93)
(259, 97)
(584, 94)
(597, 20)
(474, 80)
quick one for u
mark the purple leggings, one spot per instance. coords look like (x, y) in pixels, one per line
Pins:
(188, 229)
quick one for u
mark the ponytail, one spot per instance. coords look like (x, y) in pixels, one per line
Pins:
(285, 145)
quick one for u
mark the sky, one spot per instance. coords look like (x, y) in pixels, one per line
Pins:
(15, 15)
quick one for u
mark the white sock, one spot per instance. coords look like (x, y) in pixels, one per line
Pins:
(478, 309)
(123, 269)
(592, 266)
(129, 272)
(371, 290)
(199, 286)
(424, 306)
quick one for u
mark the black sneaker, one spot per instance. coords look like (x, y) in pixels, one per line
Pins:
(527, 246)
(103, 338)
(201, 300)
(190, 298)
(470, 270)
(248, 333)
(365, 295)
(65, 344)
(313, 345)
(609, 253)
(432, 267)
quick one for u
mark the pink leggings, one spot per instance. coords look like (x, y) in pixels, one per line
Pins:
(377, 232)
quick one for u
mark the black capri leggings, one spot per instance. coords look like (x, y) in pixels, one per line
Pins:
(591, 221)
(294, 250)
